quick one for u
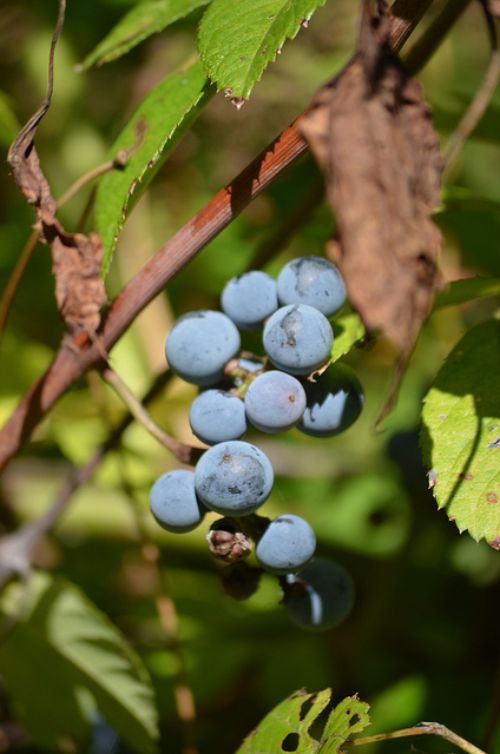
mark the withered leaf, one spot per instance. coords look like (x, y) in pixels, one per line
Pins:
(76, 258)
(372, 136)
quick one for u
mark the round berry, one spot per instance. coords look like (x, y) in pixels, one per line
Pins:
(314, 281)
(234, 478)
(174, 503)
(298, 339)
(287, 545)
(200, 344)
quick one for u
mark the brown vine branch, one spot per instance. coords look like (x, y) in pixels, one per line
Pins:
(433, 729)
(183, 453)
(71, 363)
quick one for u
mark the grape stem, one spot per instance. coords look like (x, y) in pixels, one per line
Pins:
(184, 453)
(17, 549)
(433, 729)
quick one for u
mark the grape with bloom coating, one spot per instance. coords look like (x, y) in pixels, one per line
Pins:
(298, 339)
(334, 402)
(216, 416)
(287, 545)
(314, 281)
(174, 503)
(234, 478)
(275, 401)
(200, 344)
(249, 299)
(320, 596)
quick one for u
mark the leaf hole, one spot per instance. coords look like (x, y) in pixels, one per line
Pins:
(306, 706)
(290, 742)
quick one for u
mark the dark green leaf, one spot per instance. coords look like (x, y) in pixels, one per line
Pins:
(62, 644)
(468, 289)
(153, 130)
(143, 20)
(237, 40)
(461, 434)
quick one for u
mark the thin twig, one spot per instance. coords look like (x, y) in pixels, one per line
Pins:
(426, 46)
(84, 179)
(167, 614)
(479, 104)
(16, 549)
(423, 729)
(221, 210)
(17, 273)
(35, 119)
(164, 603)
(183, 453)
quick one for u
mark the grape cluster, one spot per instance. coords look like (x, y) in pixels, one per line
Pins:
(273, 393)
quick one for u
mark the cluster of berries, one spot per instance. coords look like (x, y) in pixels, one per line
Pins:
(273, 393)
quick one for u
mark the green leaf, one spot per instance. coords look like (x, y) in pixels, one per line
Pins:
(143, 20)
(62, 644)
(461, 434)
(347, 330)
(348, 717)
(153, 130)
(468, 289)
(237, 40)
(290, 723)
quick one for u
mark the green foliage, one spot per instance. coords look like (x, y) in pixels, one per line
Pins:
(151, 133)
(290, 722)
(238, 40)
(144, 19)
(461, 433)
(60, 643)
(468, 289)
(348, 330)
(365, 493)
(8, 122)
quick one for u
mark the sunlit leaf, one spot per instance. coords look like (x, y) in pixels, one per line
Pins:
(348, 330)
(461, 434)
(143, 20)
(288, 725)
(238, 40)
(151, 133)
(61, 644)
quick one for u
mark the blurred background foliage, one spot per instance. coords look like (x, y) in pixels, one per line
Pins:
(422, 641)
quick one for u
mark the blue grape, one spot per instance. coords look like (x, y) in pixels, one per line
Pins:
(314, 281)
(250, 299)
(200, 344)
(320, 596)
(287, 545)
(216, 415)
(298, 339)
(334, 402)
(174, 503)
(275, 401)
(234, 478)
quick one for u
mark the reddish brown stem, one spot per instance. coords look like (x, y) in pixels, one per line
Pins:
(70, 363)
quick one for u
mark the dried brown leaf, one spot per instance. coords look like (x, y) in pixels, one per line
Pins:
(372, 135)
(76, 258)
